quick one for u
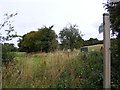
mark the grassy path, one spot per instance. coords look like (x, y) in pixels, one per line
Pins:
(35, 70)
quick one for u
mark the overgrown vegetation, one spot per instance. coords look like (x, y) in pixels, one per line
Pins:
(83, 71)
(54, 70)
(115, 60)
(8, 54)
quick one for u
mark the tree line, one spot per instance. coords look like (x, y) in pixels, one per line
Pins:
(46, 40)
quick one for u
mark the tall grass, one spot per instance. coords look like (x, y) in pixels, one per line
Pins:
(52, 70)
(34, 70)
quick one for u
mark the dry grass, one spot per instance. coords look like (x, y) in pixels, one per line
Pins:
(35, 70)
(53, 70)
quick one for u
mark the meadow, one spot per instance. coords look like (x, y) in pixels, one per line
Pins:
(54, 70)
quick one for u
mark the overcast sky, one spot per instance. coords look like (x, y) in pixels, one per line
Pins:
(33, 14)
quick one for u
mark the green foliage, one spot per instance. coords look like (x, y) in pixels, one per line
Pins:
(114, 10)
(27, 43)
(92, 70)
(92, 41)
(7, 52)
(10, 47)
(70, 37)
(115, 55)
(84, 71)
(43, 40)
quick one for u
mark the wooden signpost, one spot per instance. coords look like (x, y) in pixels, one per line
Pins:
(107, 56)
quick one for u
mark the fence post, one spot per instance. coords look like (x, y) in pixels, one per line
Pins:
(68, 52)
(107, 56)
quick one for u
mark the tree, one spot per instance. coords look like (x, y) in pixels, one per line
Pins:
(7, 54)
(7, 33)
(7, 30)
(11, 47)
(70, 37)
(114, 10)
(48, 39)
(43, 40)
(92, 41)
(27, 43)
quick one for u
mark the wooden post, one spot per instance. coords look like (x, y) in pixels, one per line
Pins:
(107, 56)
(68, 52)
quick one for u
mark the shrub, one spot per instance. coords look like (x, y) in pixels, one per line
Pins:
(84, 71)
(7, 55)
(92, 70)
(115, 61)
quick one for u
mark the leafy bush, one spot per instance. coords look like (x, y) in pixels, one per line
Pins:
(92, 70)
(115, 61)
(7, 55)
(84, 71)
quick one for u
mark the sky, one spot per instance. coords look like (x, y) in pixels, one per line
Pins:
(34, 14)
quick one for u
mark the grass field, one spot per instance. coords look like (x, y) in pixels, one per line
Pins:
(51, 70)
(34, 70)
